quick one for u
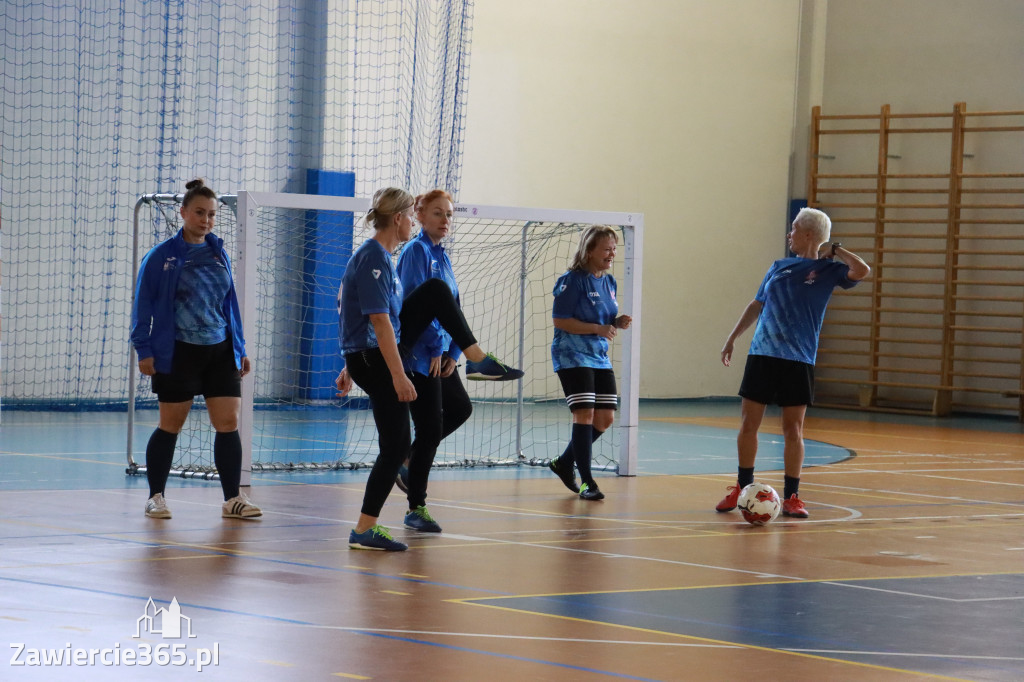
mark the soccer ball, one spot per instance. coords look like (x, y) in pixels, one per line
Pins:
(759, 504)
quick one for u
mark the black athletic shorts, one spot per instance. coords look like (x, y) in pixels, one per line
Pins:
(588, 388)
(208, 371)
(774, 381)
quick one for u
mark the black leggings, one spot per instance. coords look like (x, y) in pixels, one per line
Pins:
(441, 406)
(427, 302)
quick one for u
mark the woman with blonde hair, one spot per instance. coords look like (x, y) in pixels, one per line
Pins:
(586, 318)
(374, 317)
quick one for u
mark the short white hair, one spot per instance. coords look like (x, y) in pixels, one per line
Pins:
(813, 220)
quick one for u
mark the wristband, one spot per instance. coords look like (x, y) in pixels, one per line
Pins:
(835, 245)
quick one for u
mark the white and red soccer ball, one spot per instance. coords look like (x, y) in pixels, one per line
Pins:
(759, 504)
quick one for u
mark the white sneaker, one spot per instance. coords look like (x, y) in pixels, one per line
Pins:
(156, 507)
(240, 508)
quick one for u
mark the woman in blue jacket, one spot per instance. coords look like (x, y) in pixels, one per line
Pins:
(442, 404)
(187, 332)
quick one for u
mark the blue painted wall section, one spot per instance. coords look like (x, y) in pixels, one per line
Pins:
(327, 234)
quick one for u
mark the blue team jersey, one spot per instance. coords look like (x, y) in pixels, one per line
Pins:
(421, 260)
(581, 295)
(794, 294)
(368, 286)
(203, 286)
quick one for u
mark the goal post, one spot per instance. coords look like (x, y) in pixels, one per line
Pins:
(506, 261)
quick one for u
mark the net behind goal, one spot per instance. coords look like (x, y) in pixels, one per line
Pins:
(289, 253)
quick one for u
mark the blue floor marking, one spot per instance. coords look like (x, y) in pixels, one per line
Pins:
(802, 616)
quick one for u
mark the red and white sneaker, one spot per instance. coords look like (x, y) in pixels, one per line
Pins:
(728, 502)
(794, 507)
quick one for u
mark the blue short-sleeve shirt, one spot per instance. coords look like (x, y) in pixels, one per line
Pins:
(794, 295)
(581, 295)
(369, 285)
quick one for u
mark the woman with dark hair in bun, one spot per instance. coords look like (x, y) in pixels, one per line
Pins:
(187, 332)
(379, 327)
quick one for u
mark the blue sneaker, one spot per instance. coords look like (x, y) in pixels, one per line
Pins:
(377, 537)
(420, 519)
(491, 369)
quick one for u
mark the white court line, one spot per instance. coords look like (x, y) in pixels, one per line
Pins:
(658, 524)
(916, 594)
(910, 493)
(613, 555)
(961, 479)
(846, 652)
(482, 635)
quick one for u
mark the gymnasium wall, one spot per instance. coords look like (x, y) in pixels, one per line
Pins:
(684, 110)
(922, 56)
(680, 109)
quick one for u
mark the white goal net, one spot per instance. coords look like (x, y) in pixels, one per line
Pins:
(289, 252)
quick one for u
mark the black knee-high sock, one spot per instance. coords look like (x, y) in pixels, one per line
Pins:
(792, 487)
(744, 476)
(227, 456)
(582, 438)
(159, 456)
(566, 455)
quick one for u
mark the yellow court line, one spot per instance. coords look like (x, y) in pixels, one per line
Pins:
(122, 464)
(280, 664)
(720, 642)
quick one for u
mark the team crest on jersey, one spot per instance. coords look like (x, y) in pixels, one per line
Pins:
(811, 277)
(376, 274)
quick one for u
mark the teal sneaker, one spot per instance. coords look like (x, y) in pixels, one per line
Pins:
(589, 491)
(420, 519)
(377, 537)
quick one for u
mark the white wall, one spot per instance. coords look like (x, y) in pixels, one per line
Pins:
(923, 55)
(681, 109)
